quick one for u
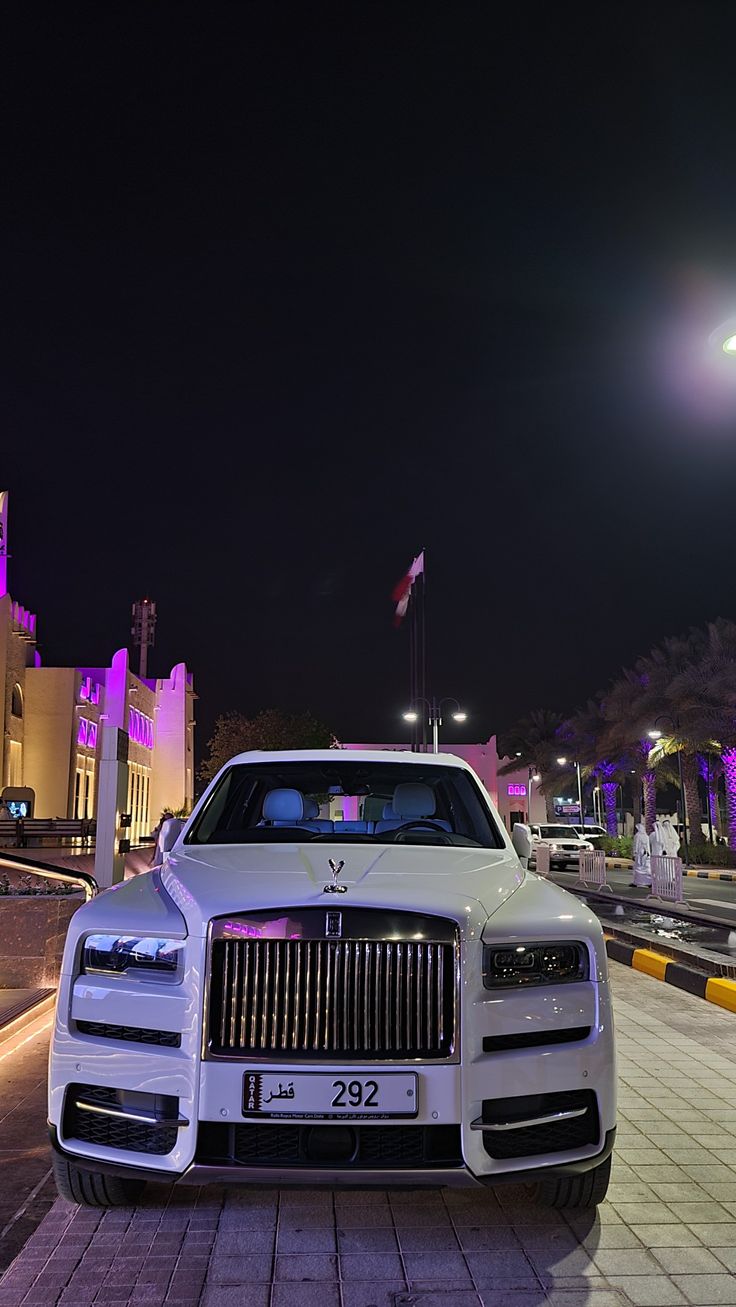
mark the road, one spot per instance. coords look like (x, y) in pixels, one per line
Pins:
(716, 898)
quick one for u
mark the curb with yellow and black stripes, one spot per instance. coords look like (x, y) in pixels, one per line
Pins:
(716, 989)
(713, 875)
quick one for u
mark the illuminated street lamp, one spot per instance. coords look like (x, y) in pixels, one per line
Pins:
(562, 762)
(534, 779)
(656, 734)
(434, 716)
(723, 339)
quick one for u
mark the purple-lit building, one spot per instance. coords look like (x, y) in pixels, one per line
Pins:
(515, 795)
(52, 725)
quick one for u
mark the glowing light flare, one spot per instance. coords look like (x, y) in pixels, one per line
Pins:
(729, 345)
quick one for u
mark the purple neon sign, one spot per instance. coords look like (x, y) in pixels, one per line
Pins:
(516, 791)
(140, 728)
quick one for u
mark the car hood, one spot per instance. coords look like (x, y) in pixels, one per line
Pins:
(468, 885)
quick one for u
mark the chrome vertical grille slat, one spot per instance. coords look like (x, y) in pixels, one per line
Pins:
(367, 999)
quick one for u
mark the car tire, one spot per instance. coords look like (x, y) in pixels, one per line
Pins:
(92, 1188)
(586, 1190)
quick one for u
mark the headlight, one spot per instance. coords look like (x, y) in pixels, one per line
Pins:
(140, 954)
(511, 965)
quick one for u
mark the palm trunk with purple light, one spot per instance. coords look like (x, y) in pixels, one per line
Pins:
(728, 757)
(649, 781)
(609, 799)
(711, 782)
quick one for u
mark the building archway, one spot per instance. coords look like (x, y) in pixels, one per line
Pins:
(16, 701)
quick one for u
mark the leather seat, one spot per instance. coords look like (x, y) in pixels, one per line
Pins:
(285, 807)
(412, 801)
(313, 819)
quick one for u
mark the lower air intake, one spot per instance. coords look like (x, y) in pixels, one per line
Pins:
(359, 1147)
(553, 1137)
(88, 1115)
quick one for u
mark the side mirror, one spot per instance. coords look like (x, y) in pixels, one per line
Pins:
(170, 832)
(521, 838)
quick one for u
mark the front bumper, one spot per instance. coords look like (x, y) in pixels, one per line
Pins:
(488, 1066)
(460, 1177)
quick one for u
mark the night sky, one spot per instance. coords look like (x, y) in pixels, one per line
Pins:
(291, 291)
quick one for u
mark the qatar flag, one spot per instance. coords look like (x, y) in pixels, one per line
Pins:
(402, 590)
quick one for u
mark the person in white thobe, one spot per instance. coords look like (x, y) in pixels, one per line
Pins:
(657, 840)
(671, 839)
(642, 850)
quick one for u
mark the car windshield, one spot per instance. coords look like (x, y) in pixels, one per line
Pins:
(377, 802)
(558, 833)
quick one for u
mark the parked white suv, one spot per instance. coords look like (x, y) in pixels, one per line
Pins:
(564, 843)
(595, 835)
(293, 1000)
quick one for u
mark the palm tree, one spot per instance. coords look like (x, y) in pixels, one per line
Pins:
(710, 769)
(704, 691)
(629, 708)
(587, 735)
(533, 742)
(668, 747)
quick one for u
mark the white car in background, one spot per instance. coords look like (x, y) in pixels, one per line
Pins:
(564, 843)
(595, 835)
(295, 1000)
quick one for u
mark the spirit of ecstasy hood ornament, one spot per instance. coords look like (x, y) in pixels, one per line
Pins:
(334, 888)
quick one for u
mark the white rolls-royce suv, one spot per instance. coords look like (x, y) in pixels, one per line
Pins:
(342, 973)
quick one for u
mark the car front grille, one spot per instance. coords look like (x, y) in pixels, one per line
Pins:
(367, 998)
(330, 1146)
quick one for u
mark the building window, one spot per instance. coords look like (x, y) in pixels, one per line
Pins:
(16, 701)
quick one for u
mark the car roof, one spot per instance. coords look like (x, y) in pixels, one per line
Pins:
(352, 755)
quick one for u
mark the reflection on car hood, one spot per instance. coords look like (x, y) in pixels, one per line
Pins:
(467, 885)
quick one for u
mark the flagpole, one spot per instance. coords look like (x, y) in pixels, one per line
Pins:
(412, 671)
(424, 640)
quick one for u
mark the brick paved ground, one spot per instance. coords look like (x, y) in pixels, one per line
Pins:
(26, 1189)
(666, 1235)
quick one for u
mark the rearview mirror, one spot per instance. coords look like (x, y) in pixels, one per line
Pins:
(171, 829)
(521, 838)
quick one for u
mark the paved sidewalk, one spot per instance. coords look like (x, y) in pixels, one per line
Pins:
(26, 1187)
(666, 1235)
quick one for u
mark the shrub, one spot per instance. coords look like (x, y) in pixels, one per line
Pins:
(618, 846)
(711, 855)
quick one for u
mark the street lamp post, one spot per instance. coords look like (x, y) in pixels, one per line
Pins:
(656, 734)
(534, 778)
(434, 716)
(563, 763)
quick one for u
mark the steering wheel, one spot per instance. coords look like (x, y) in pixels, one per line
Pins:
(421, 824)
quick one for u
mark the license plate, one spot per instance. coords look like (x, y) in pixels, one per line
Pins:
(326, 1095)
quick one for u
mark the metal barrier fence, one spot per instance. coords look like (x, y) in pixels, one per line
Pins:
(541, 860)
(666, 878)
(592, 869)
